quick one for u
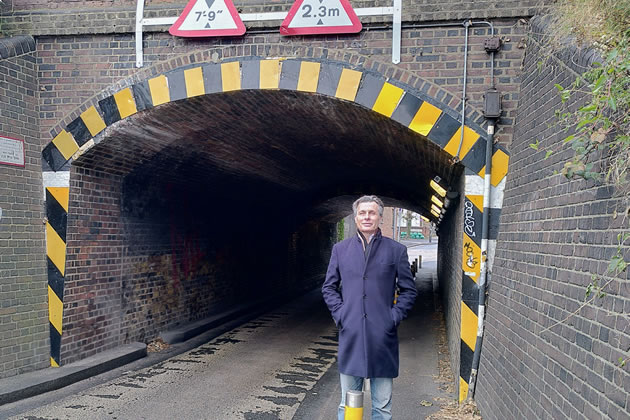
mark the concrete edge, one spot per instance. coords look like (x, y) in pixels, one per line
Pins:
(38, 382)
(186, 332)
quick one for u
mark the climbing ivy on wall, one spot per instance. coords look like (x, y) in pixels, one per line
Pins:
(598, 132)
(340, 230)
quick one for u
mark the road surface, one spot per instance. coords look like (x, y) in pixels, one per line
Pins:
(281, 365)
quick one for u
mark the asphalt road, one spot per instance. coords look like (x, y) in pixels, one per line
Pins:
(281, 365)
(260, 370)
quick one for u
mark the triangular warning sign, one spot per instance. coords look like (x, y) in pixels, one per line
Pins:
(208, 18)
(310, 17)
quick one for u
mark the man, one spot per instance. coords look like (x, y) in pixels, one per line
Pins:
(361, 280)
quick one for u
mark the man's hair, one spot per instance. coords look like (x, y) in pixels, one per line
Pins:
(368, 199)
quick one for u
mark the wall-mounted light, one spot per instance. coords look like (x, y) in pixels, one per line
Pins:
(426, 219)
(435, 208)
(437, 201)
(437, 188)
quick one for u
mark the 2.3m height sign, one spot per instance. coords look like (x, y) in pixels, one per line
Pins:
(311, 17)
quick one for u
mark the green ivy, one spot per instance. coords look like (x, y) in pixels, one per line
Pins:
(340, 230)
(599, 131)
(602, 125)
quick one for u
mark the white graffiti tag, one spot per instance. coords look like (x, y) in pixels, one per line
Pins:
(469, 220)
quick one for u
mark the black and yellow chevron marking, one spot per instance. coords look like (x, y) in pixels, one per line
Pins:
(500, 160)
(118, 106)
(471, 264)
(471, 250)
(467, 348)
(412, 109)
(415, 110)
(57, 216)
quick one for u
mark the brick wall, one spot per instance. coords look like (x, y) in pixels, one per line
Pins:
(24, 333)
(146, 254)
(62, 17)
(92, 292)
(554, 235)
(75, 65)
(309, 253)
(387, 222)
(75, 69)
(449, 270)
(72, 70)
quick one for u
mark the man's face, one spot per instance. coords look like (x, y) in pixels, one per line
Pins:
(367, 219)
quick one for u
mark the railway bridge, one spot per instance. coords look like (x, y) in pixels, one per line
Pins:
(166, 178)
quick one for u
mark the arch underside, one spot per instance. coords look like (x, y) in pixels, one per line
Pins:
(292, 139)
(415, 110)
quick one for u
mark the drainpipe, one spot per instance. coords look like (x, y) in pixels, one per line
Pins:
(463, 112)
(461, 129)
(492, 112)
(483, 271)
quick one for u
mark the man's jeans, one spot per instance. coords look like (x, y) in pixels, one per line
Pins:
(381, 390)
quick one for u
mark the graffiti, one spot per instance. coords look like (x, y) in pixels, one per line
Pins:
(152, 299)
(469, 219)
(471, 261)
(186, 256)
(186, 252)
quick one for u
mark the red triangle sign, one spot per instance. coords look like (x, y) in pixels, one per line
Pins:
(310, 17)
(208, 18)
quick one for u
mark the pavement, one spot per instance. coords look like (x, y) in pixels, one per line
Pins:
(417, 391)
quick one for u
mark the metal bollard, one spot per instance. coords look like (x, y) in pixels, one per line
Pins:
(354, 405)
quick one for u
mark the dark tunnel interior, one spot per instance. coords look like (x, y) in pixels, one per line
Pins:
(236, 195)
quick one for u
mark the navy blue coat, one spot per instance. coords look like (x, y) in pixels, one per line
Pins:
(364, 308)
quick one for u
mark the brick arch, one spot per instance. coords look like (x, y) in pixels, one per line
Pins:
(421, 106)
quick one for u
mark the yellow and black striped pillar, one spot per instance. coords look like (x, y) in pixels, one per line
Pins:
(471, 264)
(57, 216)
(475, 254)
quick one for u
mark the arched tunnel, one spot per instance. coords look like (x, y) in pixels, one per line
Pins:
(184, 209)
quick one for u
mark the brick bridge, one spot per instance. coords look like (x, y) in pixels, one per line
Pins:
(216, 173)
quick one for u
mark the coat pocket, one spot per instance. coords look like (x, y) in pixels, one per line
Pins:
(386, 270)
(342, 317)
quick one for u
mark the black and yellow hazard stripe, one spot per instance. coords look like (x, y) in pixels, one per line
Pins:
(65, 144)
(499, 166)
(471, 264)
(269, 74)
(89, 124)
(118, 106)
(57, 216)
(415, 110)
(422, 114)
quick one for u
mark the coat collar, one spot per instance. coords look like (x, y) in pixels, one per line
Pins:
(363, 240)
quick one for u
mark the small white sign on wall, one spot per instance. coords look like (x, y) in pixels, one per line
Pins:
(11, 151)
